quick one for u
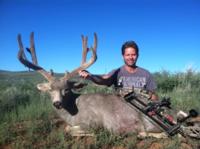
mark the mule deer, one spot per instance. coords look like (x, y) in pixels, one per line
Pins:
(86, 110)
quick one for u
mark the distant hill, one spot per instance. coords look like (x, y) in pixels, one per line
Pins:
(19, 75)
(24, 75)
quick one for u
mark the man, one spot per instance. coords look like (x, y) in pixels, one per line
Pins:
(127, 76)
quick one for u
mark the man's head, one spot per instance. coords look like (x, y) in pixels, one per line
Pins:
(129, 44)
(130, 53)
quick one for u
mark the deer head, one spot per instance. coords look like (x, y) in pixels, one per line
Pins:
(57, 87)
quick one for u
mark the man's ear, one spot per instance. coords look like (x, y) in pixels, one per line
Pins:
(44, 87)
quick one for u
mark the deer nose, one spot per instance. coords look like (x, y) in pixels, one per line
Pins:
(58, 104)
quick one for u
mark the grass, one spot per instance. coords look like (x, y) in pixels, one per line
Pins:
(183, 88)
(27, 119)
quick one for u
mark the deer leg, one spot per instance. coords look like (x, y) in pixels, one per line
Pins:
(158, 135)
(77, 131)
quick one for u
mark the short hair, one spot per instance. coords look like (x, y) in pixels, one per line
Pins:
(128, 44)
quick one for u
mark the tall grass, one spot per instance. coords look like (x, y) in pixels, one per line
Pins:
(22, 102)
(21, 105)
(183, 88)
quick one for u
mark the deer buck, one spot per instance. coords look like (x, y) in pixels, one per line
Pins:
(86, 110)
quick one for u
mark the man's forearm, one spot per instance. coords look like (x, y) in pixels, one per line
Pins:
(98, 79)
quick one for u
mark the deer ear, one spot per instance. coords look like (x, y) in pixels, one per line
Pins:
(79, 85)
(44, 87)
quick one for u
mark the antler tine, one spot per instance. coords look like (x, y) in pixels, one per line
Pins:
(32, 49)
(95, 42)
(84, 64)
(85, 49)
(22, 58)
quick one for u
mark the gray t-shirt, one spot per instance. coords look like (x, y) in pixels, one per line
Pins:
(141, 78)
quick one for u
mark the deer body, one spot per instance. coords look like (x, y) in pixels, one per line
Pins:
(103, 110)
(87, 110)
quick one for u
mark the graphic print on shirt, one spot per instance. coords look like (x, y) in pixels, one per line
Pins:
(129, 82)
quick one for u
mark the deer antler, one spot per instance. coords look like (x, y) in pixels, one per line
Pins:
(32, 65)
(85, 48)
(84, 64)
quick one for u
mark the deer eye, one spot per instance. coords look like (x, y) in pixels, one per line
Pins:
(64, 92)
(51, 90)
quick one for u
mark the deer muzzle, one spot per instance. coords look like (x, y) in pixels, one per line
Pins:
(58, 104)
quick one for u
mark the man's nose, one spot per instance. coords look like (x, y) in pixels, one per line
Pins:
(131, 57)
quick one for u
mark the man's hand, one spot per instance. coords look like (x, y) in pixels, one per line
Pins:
(153, 96)
(84, 74)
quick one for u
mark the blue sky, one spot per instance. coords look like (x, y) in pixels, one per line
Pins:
(167, 32)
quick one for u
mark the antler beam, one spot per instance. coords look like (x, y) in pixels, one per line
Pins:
(32, 65)
(84, 64)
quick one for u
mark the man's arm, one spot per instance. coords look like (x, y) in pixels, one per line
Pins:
(151, 86)
(98, 79)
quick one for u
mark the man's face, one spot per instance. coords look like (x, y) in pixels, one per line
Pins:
(130, 56)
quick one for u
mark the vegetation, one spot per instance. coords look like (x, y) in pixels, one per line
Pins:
(27, 119)
(182, 88)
